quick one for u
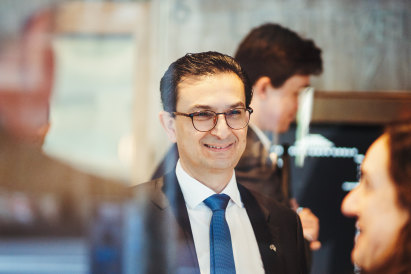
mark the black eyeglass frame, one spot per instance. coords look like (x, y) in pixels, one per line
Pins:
(191, 115)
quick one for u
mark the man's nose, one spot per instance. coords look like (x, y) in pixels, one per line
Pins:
(221, 129)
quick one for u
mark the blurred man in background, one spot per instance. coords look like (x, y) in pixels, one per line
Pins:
(279, 64)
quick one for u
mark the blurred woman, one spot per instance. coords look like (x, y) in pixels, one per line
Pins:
(382, 204)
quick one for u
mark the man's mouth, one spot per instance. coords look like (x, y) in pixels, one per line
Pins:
(218, 146)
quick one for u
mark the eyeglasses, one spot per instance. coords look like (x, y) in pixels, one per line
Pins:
(206, 120)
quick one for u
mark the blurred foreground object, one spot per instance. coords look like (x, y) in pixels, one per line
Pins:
(38, 195)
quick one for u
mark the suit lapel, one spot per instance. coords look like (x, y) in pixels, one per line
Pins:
(171, 198)
(266, 235)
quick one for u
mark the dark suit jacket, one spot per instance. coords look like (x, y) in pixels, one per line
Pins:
(167, 245)
(257, 172)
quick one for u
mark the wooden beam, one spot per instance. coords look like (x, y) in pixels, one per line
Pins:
(360, 107)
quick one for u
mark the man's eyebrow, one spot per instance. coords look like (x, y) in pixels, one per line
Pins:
(207, 107)
(197, 107)
(239, 104)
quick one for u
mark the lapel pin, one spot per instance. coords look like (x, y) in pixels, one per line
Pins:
(273, 248)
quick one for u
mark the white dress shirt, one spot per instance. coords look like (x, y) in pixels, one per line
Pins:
(247, 257)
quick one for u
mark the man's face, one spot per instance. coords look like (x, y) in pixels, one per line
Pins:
(281, 104)
(217, 150)
(374, 204)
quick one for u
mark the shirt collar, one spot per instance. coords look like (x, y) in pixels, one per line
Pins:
(195, 192)
(261, 135)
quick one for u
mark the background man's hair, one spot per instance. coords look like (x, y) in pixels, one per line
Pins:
(197, 65)
(278, 53)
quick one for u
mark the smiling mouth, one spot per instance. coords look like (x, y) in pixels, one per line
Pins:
(218, 147)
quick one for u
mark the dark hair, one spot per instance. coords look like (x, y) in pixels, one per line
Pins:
(199, 64)
(278, 53)
(399, 168)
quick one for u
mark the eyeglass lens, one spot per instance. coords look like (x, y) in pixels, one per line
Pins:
(235, 118)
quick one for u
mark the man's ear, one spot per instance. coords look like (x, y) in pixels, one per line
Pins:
(168, 123)
(261, 87)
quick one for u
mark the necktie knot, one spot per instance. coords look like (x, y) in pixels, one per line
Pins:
(217, 202)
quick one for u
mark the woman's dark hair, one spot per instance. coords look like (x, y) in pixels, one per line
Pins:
(199, 64)
(399, 144)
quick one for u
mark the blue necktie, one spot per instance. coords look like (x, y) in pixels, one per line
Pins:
(221, 251)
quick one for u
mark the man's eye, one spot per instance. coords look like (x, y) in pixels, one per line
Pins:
(203, 115)
(234, 112)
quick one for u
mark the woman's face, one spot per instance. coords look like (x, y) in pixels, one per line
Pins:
(374, 203)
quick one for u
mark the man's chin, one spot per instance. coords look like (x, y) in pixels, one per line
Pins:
(221, 165)
(357, 257)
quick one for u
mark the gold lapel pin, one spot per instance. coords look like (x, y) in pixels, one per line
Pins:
(273, 248)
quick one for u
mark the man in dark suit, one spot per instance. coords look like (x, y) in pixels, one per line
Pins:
(206, 99)
(279, 63)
